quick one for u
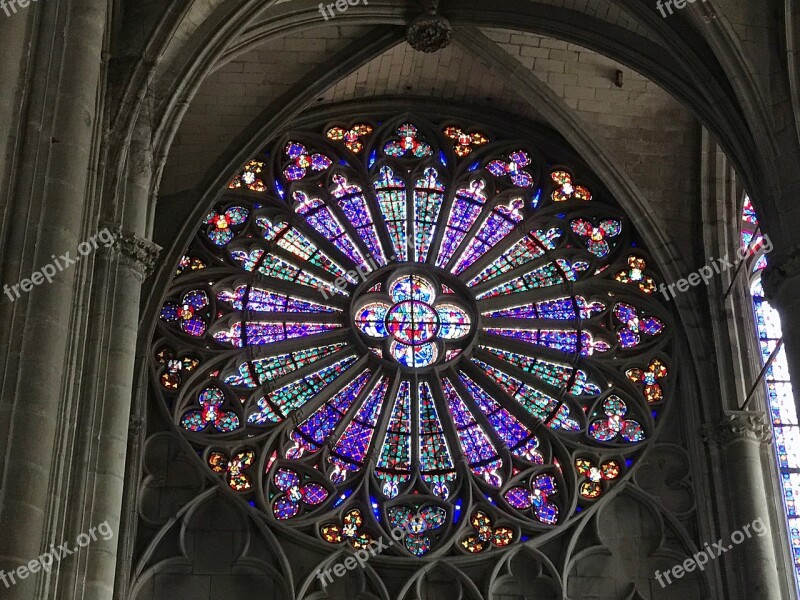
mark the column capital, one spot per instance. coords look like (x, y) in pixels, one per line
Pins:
(136, 252)
(738, 426)
(780, 269)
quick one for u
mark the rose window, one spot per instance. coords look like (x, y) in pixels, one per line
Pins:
(392, 324)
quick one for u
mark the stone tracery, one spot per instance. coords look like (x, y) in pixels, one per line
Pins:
(384, 322)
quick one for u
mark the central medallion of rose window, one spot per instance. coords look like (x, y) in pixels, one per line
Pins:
(415, 320)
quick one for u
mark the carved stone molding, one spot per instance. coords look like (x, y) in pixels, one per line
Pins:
(430, 32)
(135, 426)
(737, 426)
(138, 253)
(779, 270)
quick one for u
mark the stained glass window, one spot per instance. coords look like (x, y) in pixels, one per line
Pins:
(389, 323)
(415, 320)
(780, 397)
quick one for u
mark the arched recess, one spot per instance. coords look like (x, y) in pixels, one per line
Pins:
(558, 114)
(675, 56)
(672, 53)
(500, 122)
(171, 90)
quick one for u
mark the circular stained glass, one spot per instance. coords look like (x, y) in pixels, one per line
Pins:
(412, 322)
(414, 326)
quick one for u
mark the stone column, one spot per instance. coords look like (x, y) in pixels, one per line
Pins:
(99, 460)
(15, 31)
(57, 158)
(741, 439)
(101, 451)
(16, 34)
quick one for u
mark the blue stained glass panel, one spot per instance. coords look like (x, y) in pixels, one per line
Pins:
(350, 450)
(391, 193)
(436, 462)
(466, 209)
(428, 200)
(277, 405)
(312, 433)
(394, 464)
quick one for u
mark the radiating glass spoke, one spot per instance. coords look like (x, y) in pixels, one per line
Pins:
(394, 464)
(465, 211)
(391, 192)
(350, 450)
(475, 444)
(436, 462)
(277, 405)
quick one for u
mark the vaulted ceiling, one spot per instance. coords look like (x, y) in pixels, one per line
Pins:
(226, 66)
(639, 123)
